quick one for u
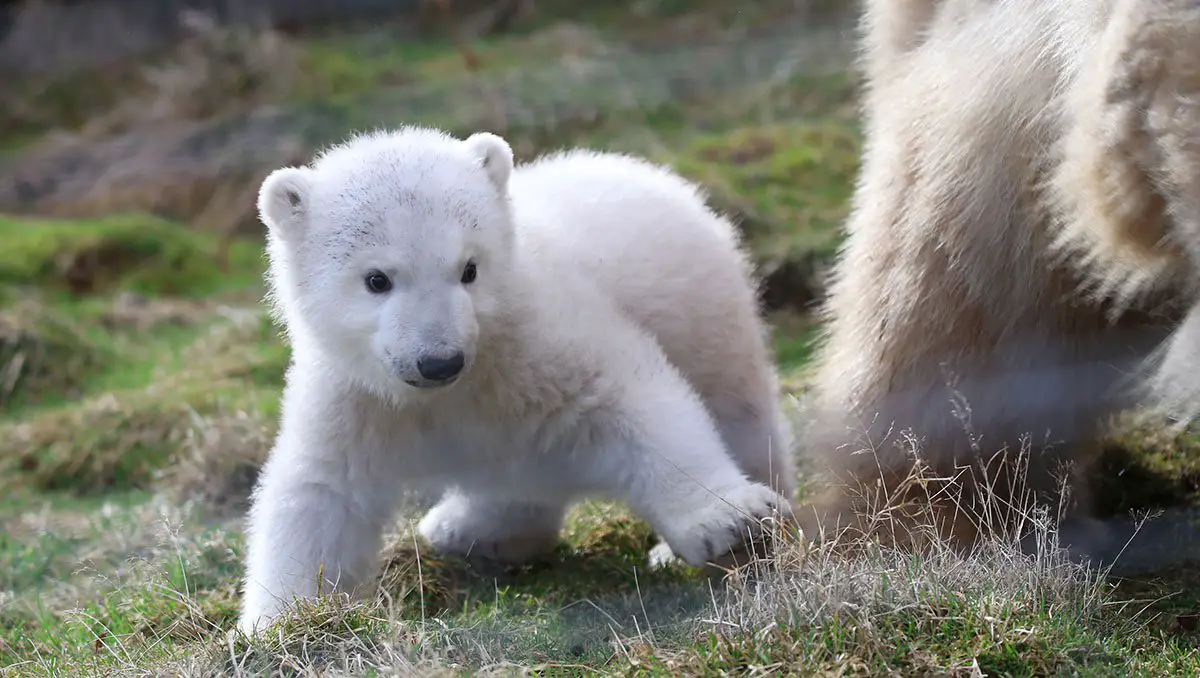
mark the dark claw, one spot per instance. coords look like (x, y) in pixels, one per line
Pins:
(746, 539)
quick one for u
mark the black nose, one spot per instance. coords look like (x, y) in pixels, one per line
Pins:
(437, 368)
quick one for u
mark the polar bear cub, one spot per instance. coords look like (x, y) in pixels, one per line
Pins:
(512, 339)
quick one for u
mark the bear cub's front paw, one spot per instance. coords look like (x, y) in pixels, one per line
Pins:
(733, 529)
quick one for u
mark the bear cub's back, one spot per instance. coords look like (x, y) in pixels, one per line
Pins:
(645, 238)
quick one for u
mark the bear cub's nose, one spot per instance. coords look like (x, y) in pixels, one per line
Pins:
(437, 368)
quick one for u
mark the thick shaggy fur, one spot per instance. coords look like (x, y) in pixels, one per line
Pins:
(1025, 237)
(611, 341)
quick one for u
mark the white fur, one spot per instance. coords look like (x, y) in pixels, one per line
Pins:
(612, 345)
(1026, 225)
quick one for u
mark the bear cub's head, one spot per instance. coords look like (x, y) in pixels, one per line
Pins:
(390, 253)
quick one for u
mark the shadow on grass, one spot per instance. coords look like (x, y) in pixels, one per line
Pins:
(575, 602)
(1137, 475)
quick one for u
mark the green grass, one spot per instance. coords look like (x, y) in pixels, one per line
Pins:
(134, 253)
(753, 172)
(139, 386)
(1149, 467)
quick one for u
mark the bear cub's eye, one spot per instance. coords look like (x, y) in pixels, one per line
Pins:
(378, 282)
(469, 273)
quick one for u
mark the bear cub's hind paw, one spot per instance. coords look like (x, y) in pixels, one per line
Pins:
(491, 536)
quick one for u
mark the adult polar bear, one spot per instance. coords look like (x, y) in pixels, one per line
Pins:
(597, 321)
(1027, 225)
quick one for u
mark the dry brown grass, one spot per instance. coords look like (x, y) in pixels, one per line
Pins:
(133, 312)
(43, 352)
(219, 460)
(121, 437)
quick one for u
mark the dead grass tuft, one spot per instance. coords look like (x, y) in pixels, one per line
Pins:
(880, 589)
(866, 602)
(114, 441)
(219, 460)
(43, 353)
(132, 311)
(211, 411)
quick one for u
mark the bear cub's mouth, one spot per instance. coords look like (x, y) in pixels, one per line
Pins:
(430, 384)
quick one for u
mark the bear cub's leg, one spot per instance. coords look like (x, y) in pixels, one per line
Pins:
(760, 443)
(309, 534)
(667, 460)
(491, 533)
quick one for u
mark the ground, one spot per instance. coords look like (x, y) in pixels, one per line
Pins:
(139, 386)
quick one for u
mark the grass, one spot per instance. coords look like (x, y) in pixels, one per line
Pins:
(132, 253)
(139, 385)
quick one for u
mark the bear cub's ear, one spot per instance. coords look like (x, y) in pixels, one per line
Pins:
(495, 156)
(283, 201)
